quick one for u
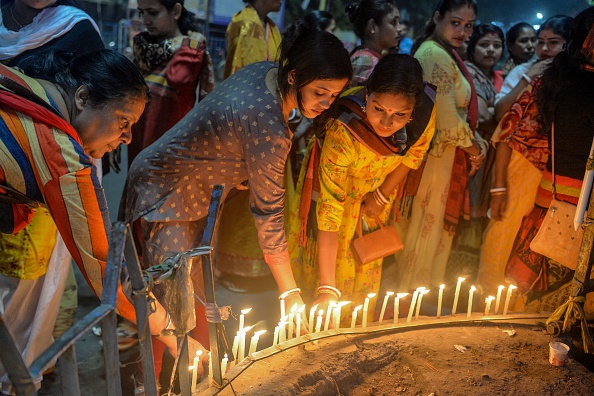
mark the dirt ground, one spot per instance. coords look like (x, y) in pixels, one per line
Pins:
(423, 361)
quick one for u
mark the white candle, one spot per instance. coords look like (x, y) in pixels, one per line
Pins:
(338, 312)
(298, 320)
(319, 320)
(242, 317)
(488, 304)
(234, 350)
(312, 313)
(412, 305)
(241, 347)
(275, 337)
(498, 299)
(439, 300)
(457, 295)
(210, 375)
(422, 292)
(291, 318)
(254, 341)
(282, 330)
(282, 307)
(366, 308)
(470, 294)
(354, 319)
(510, 289)
(397, 305)
(383, 311)
(224, 362)
(328, 315)
(195, 370)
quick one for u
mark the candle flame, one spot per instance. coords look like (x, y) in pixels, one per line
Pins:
(259, 333)
(442, 286)
(419, 289)
(371, 295)
(501, 287)
(294, 308)
(472, 288)
(490, 298)
(424, 291)
(460, 279)
(400, 295)
(246, 329)
(389, 293)
(301, 308)
(198, 353)
(321, 312)
(512, 287)
(358, 307)
(313, 309)
(245, 311)
(226, 357)
(190, 368)
(343, 303)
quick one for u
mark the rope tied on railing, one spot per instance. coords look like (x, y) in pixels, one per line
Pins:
(573, 311)
(214, 314)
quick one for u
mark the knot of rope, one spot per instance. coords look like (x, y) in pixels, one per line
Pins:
(573, 311)
(213, 315)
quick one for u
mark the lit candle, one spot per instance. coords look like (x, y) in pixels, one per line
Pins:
(234, 350)
(195, 370)
(328, 315)
(242, 317)
(397, 305)
(456, 295)
(275, 337)
(488, 304)
(319, 320)
(354, 319)
(510, 289)
(383, 311)
(422, 292)
(298, 320)
(241, 348)
(439, 300)
(291, 318)
(193, 383)
(338, 312)
(282, 307)
(412, 305)
(282, 330)
(254, 341)
(224, 362)
(210, 376)
(470, 294)
(366, 308)
(498, 299)
(312, 313)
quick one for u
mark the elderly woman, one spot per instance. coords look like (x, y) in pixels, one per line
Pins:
(50, 129)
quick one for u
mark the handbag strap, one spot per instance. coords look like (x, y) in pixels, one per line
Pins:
(553, 159)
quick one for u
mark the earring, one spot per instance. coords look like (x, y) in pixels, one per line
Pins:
(410, 119)
(363, 109)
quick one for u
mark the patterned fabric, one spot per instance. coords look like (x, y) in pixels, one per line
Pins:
(363, 61)
(249, 42)
(485, 87)
(519, 128)
(236, 133)
(179, 66)
(348, 170)
(50, 166)
(512, 79)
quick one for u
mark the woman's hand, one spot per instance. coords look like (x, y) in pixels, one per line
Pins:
(498, 205)
(476, 161)
(538, 68)
(323, 301)
(369, 206)
(193, 348)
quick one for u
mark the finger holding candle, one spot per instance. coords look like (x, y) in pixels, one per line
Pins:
(397, 305)
(422, 292)
(413, 302)
(498, 299)
(510, 289)
(366, 308)
(457, 295)
(385, 303)
(354, 317)
(439, 300)
(470, 294)
(254, 341)
(488, 301)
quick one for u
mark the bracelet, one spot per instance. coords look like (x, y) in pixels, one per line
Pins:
(166, 330)
(289, 292)
(498, 189)
(327, 289)
(527, 78)
(380, 198)
(498, 193)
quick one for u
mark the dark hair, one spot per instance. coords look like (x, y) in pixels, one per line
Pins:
(399, 74)
(442, 7)
(187, 20)
(478, 32)
(512, 34)
(564, 71)
(360, 14)
(314, 55)
(559, 24)
(107, 74)
(318, 19)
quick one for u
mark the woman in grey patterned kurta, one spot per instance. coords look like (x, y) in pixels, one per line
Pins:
(238, 133)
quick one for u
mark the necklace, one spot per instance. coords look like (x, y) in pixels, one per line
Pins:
(13, 18)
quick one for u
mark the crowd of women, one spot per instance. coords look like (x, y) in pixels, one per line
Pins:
(449, 147)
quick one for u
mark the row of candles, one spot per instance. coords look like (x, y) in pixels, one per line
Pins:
(292, 323)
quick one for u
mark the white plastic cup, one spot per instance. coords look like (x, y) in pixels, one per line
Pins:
(558, 353)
